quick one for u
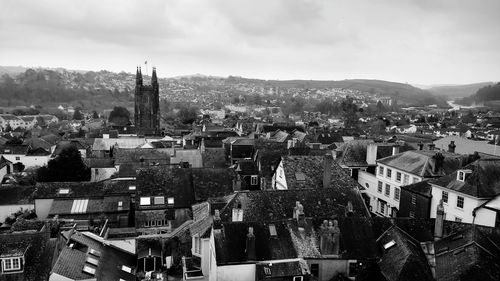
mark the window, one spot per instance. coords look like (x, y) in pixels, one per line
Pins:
(387, 189)
(146, 224)
(126, 269)
(412, 214)
(397, 193)
(381, 171)
(12, 264)
(272, 230)
(382, 207)
(159, 200)
(406, 179)
(131, 187)
(152, 223)
(64, 191)
(414, 199)
(92, 260)
(89, 270)
(18, 158)
(145, 201)
(159, 223)
(170, 200)
(460, 202)
(298, 278)
(457, 219)
(267, 270)
(95, 253)
(253, 180)
(120, 203)
(315, 269)
(415, 179)
(389, 173)
(461, 175)
(379, 188)
(398, 176)
(197, 244)
(444, 196)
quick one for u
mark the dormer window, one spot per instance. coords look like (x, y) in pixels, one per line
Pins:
(11, 264)
(145, 201)
(462, 175)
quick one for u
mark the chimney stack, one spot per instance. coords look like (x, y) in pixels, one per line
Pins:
(327, 170)
(237, 183)
(420, 145)
(371, 154)
(250, 247)
(439, 224)
(438, 161)
(217, 220)
(451, 147)
(431, 146)
(395, 149)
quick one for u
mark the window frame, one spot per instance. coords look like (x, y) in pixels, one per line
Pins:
(406, 179)
(460, 199)
(254, 180)
(380, 187)
(398, 176)
(387, 191)
(159, 198)
(443, 193)
(388, 173)
(146, 202)
(11, 264)
(397, 193)
(381, 171)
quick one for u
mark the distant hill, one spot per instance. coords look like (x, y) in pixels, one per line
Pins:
(457, 91)
(104, 89)
(488, 95)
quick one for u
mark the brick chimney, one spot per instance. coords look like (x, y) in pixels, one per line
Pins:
(217, 220)
(327, 170)
(371, 154)
(438, 162)
(439, 223)
(237, 183)
(420, 145)
(451, 147)
(250, 245)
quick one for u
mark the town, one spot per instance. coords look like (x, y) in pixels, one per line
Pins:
(240, 184)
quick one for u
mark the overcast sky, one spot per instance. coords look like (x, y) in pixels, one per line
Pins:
(420, 41)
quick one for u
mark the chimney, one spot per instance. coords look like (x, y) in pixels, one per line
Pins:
(237, 183)
(438, 162)
(371, 154)
(438, 225)
(395, 149)
(327, 170)
(431, 146)
(451, 147)
(420, 145)
(349, 209)
(202, 145)
(217, 220)
(250, 247)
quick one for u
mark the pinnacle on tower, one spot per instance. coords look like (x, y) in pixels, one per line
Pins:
(138, 76)
(154, 79)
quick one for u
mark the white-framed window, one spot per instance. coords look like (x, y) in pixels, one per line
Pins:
(387, 189)
(406, 179)
(170, 201)
(145, 201)
(397, 193)
(461, 176)
(398, 176)
(146, 224)
(379, 187)
(460, 202)
(64, 191)
(18, 158)
(381, 171)
(120, 203)
(197, 245)
(414, 199)
(412, 214)
(298, 278)
(389, 173)
(131, 187)
(159, 200)
(153, 223)
(444, 196)
(159, 223)
(458, 219)
(11, 264)
(253, 180)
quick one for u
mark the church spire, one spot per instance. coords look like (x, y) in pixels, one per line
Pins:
(138, 76)
(154, 79)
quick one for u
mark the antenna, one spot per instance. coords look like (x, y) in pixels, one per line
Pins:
(146, 63)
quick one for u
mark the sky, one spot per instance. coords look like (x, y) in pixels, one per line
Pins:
(409, 41)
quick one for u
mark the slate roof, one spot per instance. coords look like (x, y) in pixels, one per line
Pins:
(421, 187)
(38, 142)
(134, 155)
(272, 205)
(354, 153)
(13, 195)
(72, 260)
(99, 162)
(282, 269)
(214, 157)
(95, 206)
(312, 168)
(268, 159)
(328, 138)
(19, 149)
(405, 260)
(212, 182)
(82, 189)
(421, 162)
(38, 251)
(470, 254)
(106, 144)
(484, 181)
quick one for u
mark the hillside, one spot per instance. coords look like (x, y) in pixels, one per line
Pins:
(458, 91)
(488, 95)
(104, 89)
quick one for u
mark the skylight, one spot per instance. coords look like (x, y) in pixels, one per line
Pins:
(131, 187)
(272, 230)
(89, 270)
(389, 244)
(92, 260)
(64, 191)
(300, 176)
(79, 206)
(126, 269)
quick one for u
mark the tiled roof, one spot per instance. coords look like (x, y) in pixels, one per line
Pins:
(312, 168)
(405, 259)
(82, 189)
(421, 162)
(212, 182)
(279, 204)
(484, 181)
(13, 195)
(19, 149)
(421, 187)
(99, 162)
(135, 155)
(214, 157)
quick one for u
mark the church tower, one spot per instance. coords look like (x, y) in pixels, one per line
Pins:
(147, 104)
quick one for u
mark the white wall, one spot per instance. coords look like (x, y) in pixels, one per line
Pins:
(452, 211)
(240, 272)
(7, 210)
(485, 217)
(104, 173)
(42, 207)
(28, 161)
(279, 178)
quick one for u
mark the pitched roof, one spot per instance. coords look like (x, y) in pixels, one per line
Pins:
(13, 195)
(136, 155)
(214, 157)
(483, 182)
(402, 257)
(422, 162)
(312, 168)
(106, 144)
(421, 187)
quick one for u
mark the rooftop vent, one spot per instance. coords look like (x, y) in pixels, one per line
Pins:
(389, 244)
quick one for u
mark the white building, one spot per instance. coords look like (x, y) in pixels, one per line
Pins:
(12, 120)
(470, 194)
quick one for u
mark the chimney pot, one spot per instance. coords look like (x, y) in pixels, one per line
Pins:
(451, 147)
(439, 223)
(420, 145)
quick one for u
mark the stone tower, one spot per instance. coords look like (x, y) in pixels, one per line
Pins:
(147, 104)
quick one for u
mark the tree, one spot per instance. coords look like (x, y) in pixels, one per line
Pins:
(188, 114)
(67, 166)
(77, 115)
(95, 115)
(119, 116)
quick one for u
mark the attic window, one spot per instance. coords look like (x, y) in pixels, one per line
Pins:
(64, 191)
(11, 264)
(159, 200)
(144, 201)
(120, 203)
(300, 176)
(389, 244)
(89, 270)
(272, 230)
(462, 174)
(126, 269)
(267, 270)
